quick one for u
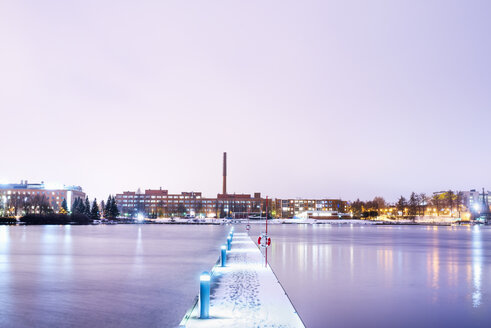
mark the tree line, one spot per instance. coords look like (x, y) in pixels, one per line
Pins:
(108, 210)
(25, 204)
(19, 203)
(414, 205)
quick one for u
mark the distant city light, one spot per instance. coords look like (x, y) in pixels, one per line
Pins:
(140, 217)
(477, 207)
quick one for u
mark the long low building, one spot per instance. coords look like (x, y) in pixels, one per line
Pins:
(288, 208)
(160, 203)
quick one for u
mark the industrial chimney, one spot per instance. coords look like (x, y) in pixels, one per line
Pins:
(224, 173)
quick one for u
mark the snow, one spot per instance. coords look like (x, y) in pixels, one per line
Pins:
(322, 221)
(245, 293)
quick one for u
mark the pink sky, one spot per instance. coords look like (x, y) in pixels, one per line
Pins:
(309, 98)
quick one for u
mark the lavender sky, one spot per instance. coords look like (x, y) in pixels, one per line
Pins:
(309, 98)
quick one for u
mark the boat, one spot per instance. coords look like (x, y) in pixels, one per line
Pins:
(256, 217)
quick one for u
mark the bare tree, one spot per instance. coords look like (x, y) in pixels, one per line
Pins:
(357, 207)
(423, 203)
(379, 202)
(449, 198)
(459, 201)
(27, 204)
(437, 201)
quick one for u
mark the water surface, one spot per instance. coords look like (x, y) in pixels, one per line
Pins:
(336, 276)
(102, 276)
(385, 276)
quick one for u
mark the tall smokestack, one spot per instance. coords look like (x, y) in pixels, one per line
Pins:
(224, 173)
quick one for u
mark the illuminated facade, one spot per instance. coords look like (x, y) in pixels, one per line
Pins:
(288, 208)
(24, 195)
(476, 201)
(160, 203)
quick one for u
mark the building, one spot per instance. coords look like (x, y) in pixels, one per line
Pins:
(478, 204)
(241, 206)
(476, 201)
(159, 203)
(289, 208)
(26, 197)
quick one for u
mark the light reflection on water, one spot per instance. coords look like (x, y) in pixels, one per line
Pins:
(102, 276)
(5, 276)
(402, 276)
(476, 265)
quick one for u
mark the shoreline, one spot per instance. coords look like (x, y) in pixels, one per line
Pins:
(324, 222)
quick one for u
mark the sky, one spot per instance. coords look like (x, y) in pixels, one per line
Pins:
(314, 99)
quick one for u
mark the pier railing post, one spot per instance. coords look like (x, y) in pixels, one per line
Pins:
(204, 295)
(224, 255)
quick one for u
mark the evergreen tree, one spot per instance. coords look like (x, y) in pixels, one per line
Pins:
(107, 209)
(94, 212)
(102, 208)
(64, 207)
(413, 205)
(81, 206)
(75, 206)
(80, 209)
(114, 208)
(87, 207)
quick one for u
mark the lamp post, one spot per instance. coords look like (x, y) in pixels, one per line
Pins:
(224, 255)
(204, 295)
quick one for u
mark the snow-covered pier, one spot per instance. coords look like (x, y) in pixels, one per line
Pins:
(245, 293)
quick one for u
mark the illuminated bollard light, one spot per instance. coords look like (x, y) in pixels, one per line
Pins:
(229, 243)
(224, 255)
(204, 295)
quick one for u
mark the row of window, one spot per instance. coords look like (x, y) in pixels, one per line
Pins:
(158, 197)
(124, 201)
(19, 197)
(10, 192)
(156, 205)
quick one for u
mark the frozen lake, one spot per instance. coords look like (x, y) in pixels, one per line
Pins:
(385, 276)
(102, 276)
(336, 276)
